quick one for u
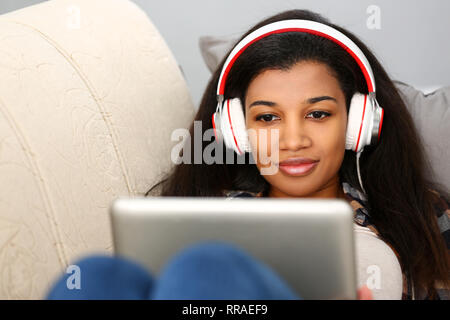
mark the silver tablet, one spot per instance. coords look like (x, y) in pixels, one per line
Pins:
(308, 242)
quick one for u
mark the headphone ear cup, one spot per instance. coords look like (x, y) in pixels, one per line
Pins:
(360, 122)
(239, 129)
(216, 122)
(225, 125)
(233, 124)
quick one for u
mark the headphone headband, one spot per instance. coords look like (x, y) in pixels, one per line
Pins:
(297, 25)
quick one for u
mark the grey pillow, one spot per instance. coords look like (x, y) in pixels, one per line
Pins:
(213, 49)
(430, 112)
(431, 115)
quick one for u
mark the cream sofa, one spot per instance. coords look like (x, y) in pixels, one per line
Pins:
(85, 86)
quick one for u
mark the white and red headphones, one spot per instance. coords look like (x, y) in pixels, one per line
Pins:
(365, 117)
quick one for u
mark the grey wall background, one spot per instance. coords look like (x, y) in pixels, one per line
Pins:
(413, 42)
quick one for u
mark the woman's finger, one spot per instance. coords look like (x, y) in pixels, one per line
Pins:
(364, 293)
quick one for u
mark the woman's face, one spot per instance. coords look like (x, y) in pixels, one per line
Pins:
(307, 106)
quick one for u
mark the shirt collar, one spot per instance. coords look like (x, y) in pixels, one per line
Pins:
(356, 198)
(358, 202)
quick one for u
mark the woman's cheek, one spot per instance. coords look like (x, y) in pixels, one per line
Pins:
(264, 144)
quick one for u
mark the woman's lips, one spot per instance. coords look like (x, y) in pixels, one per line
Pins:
(298, 169)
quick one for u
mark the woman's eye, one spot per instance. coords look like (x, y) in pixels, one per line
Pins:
(266, 117)
(318, 114)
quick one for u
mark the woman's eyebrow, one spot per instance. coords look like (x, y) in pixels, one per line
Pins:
(307, 101)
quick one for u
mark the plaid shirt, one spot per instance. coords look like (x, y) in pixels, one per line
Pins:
(358, 202)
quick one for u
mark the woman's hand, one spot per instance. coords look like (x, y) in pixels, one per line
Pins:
(364, 293)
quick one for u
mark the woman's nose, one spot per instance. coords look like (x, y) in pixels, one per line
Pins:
(294, 136)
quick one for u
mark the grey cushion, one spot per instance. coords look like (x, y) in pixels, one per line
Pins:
(431, 112)
(213, 49)
(431, 115)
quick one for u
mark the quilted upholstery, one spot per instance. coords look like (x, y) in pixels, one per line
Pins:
(80, 124)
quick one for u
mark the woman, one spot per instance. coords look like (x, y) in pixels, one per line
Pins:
(286, 68)
(273, 80)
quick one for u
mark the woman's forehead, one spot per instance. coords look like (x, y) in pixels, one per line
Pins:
(301, 82)
(306, 70)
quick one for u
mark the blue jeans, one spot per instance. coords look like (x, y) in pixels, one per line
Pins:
(204, 271)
